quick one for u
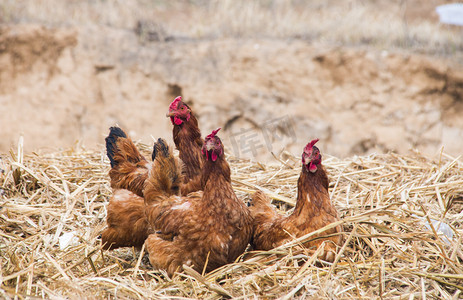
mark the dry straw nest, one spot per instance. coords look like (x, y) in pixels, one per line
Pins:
(391, 206)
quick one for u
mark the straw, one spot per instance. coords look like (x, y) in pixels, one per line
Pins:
(387, 204)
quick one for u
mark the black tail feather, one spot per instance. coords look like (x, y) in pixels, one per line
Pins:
(153, 155)
(160, 147)
(114, 134)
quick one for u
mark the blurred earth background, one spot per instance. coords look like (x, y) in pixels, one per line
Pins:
(363, 76)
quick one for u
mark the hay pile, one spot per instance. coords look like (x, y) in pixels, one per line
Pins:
(389, 204)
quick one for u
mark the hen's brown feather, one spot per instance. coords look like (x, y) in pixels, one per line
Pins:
(165, 177)
(212, 225)
(127, 223)
(129, 169)
(188, 141)
(313, 211)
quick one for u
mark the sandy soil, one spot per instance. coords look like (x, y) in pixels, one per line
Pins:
(63, 85)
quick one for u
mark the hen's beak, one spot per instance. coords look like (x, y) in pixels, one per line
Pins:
(209, 146)
(305, 161)
(308, 158)
(171, 113)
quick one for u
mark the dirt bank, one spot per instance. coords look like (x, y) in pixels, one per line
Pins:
(58, 86)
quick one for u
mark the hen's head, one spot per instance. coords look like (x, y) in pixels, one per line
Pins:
(311, 157)
(179, 112)
(212, 147)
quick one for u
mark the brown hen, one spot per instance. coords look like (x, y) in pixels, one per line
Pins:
(313, 211)
(205, 229)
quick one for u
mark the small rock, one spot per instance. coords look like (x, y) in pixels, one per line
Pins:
(68, 239)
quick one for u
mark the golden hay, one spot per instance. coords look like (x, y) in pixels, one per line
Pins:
(387, 203)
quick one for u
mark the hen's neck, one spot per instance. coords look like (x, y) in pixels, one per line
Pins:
(187, 139)
(187, 133)
(218, 194)
(312, 191)
(215, 171)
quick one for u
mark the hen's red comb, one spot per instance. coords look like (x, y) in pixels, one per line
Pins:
(174, 103)
(213, 133)
(310, 145)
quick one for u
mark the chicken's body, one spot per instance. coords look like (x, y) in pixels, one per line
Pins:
(211, 226)
(313, 211)
(126, 219)
(129, 169)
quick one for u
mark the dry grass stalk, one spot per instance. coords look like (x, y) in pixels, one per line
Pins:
(382, 24)
(391, 207)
